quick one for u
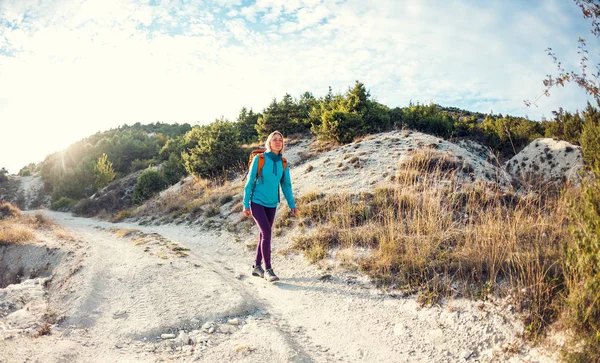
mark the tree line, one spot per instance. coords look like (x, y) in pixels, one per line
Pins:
(212, 150)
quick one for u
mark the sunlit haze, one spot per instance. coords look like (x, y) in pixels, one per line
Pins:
(71, 68)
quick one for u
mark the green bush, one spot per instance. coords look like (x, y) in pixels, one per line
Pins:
(217, 149)
(139, 164)
(86, 208)
(339, 126)
(103, 171)
(64, 204)
(24, 171)
(3, 173)
(173, 169)
(583, 263)
(590, 138)
(428, 119)
(148, 184)
(583, 253)
(246, 124)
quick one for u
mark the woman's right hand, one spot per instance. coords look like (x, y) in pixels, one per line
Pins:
(247, 212)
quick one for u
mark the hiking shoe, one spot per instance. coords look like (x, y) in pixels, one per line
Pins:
(270, 275)
(258, 271)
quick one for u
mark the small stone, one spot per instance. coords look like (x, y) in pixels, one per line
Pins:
(234, 321)
(211, 330)
(401, 330)
(466, 354)
(226, 329)
(119, 314)
(167, 336)
(182, 338)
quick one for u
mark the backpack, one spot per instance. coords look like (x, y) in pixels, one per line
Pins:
(261, 161)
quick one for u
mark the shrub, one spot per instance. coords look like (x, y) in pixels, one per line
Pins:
(64, 204)
(148, 184)
(173, 169)
(121, 215)
(16, 234)
(3, 173)
(139, 164)
(85, 207)
(217, 149)
(339, 126)
(583, 264)
(428, 119)
(103, 171)
(583, 252)
(24, 171)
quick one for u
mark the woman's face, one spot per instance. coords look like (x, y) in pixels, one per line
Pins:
(276, 143)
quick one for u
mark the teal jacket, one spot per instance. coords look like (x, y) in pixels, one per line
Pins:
(266, 189)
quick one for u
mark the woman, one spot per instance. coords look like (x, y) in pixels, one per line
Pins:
(261, 196)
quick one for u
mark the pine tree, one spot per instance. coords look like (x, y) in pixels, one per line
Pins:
(103, 171)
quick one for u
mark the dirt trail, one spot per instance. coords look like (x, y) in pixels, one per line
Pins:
(131, 290)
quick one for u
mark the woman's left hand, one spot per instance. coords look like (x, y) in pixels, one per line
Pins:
(294, 212)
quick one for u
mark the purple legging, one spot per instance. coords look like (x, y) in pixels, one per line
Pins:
(264, 218)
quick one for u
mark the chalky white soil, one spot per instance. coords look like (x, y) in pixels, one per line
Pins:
(547, 159)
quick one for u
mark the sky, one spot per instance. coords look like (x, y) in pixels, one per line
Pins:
(71, 68)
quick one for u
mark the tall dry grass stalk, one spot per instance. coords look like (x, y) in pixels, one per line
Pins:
(436, 231)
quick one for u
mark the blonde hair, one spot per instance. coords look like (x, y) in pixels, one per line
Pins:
(270, 137)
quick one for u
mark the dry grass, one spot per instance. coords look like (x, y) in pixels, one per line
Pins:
(8, 210)
(121, 215)
(16, 228)
(45, 329)
(199, 198)
(430, 230)
(15, 234)
(38, 221)
(63, 234)
(125, 232)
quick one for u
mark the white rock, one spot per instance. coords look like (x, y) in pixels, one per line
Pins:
(234, 321)
(207, 325)
(400, 330)
(167, 336)
(226, 329)
(20, 318)
(182, 338)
